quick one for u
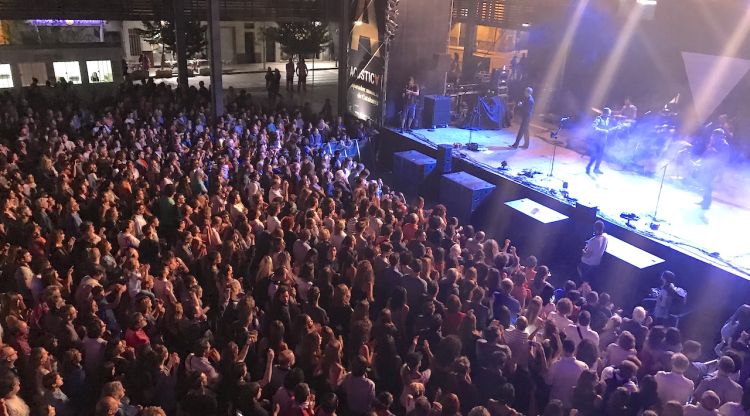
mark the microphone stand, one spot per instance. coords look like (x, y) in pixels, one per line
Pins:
(555, 143)
(655, 220)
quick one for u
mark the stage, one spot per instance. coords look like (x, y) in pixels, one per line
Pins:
(716, 236)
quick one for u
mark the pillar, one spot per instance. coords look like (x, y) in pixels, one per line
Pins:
(470, 43)
(343, 56)
(180, 43)
(214, 58)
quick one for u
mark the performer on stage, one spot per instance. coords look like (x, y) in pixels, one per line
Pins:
(526, 110)
(410, 96)
(629, 111)
(713, 160)
(603, 125)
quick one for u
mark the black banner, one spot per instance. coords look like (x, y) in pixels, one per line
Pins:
(367, 60)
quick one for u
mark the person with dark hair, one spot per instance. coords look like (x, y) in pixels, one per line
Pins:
(359, 390)
(410, 96)
(585, 399)
(582, 331)
(726, 389)
(563, 374)
(592, 255)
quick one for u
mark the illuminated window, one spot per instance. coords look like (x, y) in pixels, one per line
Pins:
(69, 70)
(6, 79)
(99, 71)
(31, 70)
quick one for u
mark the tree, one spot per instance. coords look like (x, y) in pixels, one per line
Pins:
(162, 33)
(300, 38)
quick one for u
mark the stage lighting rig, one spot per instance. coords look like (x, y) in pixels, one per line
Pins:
(391, 14)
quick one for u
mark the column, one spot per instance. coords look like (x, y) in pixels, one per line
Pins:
(180, 43)
(214, 58)
(343, 55)
(468, 69)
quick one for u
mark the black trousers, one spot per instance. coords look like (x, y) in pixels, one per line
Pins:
(597, 154)
(523, 132)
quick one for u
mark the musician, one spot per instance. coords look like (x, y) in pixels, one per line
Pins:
(629, 111)
(603, 125)
(526, 109)
(411, 97)
(713, 160)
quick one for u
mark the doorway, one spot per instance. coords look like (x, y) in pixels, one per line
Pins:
(250, 47)
(270, 50)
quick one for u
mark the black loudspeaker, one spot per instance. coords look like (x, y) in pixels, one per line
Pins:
(445, 158)
(462, 194)
(437, 111)
(410, 170)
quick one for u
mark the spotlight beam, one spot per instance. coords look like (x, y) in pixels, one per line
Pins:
(609, 70)
(556, 69)
(717, 72)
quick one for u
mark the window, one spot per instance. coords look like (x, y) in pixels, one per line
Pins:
(70, 70)
(31, 70)
(6, 79)
(99, 71)
(134, 41)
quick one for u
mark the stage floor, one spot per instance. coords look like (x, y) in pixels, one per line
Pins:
(717, 236)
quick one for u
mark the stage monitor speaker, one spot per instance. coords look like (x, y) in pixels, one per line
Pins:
(437, 111)
(410, 170)
(445, 158)
(462, 194)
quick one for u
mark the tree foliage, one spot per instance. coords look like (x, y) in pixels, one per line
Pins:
(163, 33)
(300, 38)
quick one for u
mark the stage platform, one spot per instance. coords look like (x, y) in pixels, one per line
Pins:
(716, 236)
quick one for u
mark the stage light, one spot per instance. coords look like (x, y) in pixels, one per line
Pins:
(525, 24)
(647, 2)
(357, 23)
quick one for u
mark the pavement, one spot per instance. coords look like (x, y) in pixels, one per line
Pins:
(322, 83)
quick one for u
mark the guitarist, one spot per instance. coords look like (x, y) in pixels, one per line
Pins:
(603, 125)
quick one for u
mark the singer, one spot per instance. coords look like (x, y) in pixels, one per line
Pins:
(526, 110)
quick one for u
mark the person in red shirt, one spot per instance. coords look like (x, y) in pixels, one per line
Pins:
(135, 336)
(453, 315)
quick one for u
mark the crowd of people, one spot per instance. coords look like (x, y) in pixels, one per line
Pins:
(157, 262)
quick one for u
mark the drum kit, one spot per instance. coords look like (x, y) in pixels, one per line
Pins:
(647, 144)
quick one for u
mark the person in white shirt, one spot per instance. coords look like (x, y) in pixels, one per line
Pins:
(708, 406)
(563, 374)
(725, 388)
(560, 316)
(593, 253)
(580, 331)
(674, 385)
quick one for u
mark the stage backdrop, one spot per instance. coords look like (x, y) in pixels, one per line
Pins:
(418, 50)
(699, 49)
(367, 59)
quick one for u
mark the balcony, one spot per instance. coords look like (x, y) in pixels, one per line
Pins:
(506, 14)
(238, 10)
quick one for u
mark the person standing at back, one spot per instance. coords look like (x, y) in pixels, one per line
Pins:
(290, 75)
(302, 75)
(592, 254)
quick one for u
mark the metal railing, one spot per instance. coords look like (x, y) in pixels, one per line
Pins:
(238, 10)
